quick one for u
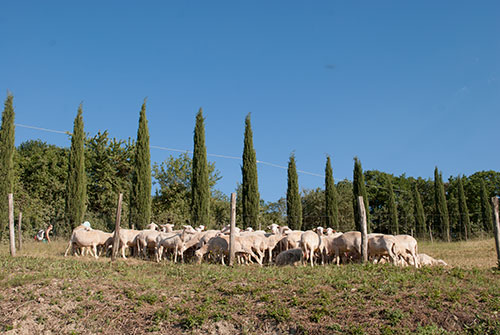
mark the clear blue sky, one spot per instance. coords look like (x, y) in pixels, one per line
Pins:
(405, 86)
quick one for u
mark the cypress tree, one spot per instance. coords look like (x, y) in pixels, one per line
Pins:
(419, 211)
(441, 216)
(486, 214)
(293, 201)
(7, 149)
(140, 197)
(359, 189)
(463, 210)
(200, 195)
(331, 198)
(76, 187)
(250, 185)
(393, 212)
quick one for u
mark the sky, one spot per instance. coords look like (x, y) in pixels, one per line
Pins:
(405, 86)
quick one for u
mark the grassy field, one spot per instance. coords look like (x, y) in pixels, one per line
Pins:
(42, 292)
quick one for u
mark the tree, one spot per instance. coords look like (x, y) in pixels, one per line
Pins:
(7, 149)
(76, 189)
(441, 217)
(393, 213)
(200, 194)
(331, 198)
(419, 211)
(313, 208)
(140, 197)
(463, 210)
(250, 190)
(486, 215)
(359, 189)
(293, 201)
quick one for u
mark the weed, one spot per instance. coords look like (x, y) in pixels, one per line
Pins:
(278, 313)
(150, 298)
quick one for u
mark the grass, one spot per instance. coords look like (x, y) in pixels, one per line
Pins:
(46, 292)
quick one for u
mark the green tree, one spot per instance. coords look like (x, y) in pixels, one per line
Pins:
(7, 150)
(140, 196)
(109, 169)
(40, 188)
(346, 213)
(250, 185)
(313, 208)
(200, 194)
(293, 201)
(76, 195)
(419, 211)
(393, 213)
(463, 210)
(359, 189)
(441, 217)
(331, 201)
(486, 214)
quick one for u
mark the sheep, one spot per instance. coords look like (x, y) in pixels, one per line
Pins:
(349, 242)
(407, 248)
(382, 245)
(127, 239)
(292, 239)
(144, 240)
(290, 257)
(173, 240)
(88, 238)
(219, 246)
(426, 260)
(310, 242)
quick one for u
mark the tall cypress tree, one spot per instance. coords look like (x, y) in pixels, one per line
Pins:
(393, 212)
(7, 149)
(76, 187)
(140, 197)
(331, 198)
(486, 214)
(463, 210)
(359, 189)
(250, 185)
(441, 217)
(293, 201)
(200, 194)
(419, 211)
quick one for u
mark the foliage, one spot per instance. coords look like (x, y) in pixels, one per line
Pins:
(7, 150)
(463, 210)
(250, 186)
(200, 189)
(140, 197)
(331, 201)
(293, 202)
(393, 213)
(419, 213)
(76, 185)
(441, 218)
(359, 189)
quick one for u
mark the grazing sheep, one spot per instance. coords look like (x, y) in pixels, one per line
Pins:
(290, 257)
(382, 245)
(349, 243)
(83, 238)
(310, 242)
(407, 249)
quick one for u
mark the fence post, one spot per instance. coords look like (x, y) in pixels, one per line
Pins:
(232, 229)
(496, 226)
(19, 231)
(12, 232)
(116, 237)
(364, 237)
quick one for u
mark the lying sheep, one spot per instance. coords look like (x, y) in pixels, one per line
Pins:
(290, 257)
(426, 260)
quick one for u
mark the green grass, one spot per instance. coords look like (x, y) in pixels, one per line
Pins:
(81, 295)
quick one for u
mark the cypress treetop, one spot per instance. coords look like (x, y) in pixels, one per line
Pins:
(293, 200)
(463, 210)
(359, 189)
(250, 185)
(421, 228)
(200, 194)
(331, 198)
(393, 213)
(7, 149)
(140, 198)
(77, 182)
(442, 219)
(486, 213)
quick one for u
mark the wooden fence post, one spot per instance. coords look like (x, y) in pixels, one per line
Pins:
(496, 226)
(232, 230)
(116, 237)
(12, 232)
(364, 237)
(19, 231)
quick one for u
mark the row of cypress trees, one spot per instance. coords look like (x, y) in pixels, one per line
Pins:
(140, 194)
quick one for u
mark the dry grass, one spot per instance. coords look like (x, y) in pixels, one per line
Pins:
(470, 254)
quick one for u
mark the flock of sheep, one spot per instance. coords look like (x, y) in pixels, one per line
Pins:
(280, 246)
